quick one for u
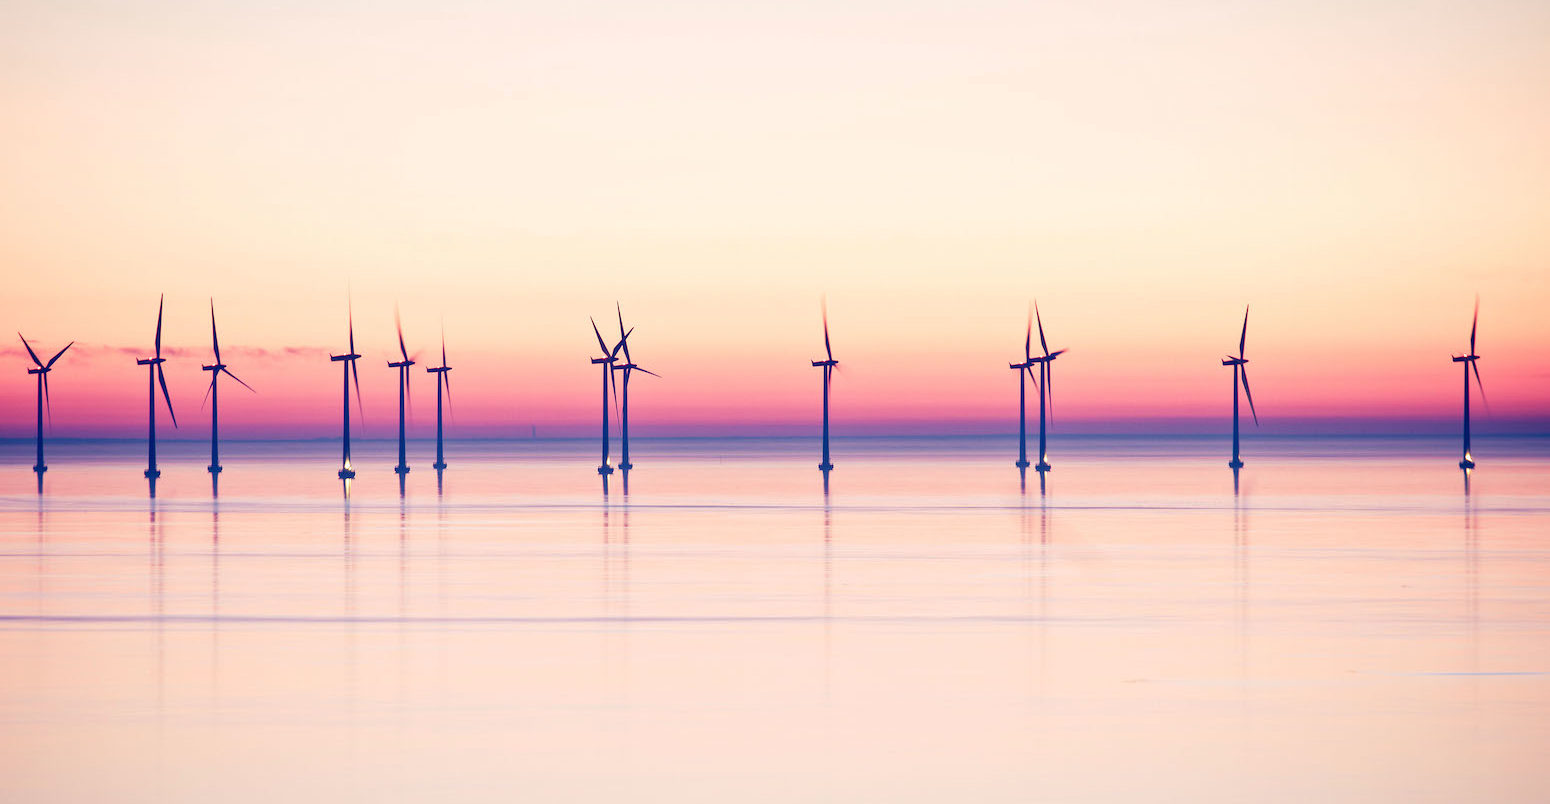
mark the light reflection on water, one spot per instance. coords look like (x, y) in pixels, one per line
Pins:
(719, 628)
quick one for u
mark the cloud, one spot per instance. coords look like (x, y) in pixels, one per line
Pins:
(92, 350)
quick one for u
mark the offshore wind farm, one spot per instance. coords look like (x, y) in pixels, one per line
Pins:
(242, 562)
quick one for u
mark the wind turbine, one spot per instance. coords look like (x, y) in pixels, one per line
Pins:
(828, 375)
(154, 375)
(627, 367)
(346, 471)
(1468, 461)
(403, 392)
(1046, 392)
(442, 379)
(606, 361)
(214, 395)
(42, 371)
(1240, 370)
(1024, 371)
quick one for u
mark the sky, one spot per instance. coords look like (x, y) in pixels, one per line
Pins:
(1357, 173)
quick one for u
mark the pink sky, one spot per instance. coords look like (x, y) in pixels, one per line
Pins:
(1357, 175)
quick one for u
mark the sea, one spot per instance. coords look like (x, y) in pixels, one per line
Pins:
(1343, 619)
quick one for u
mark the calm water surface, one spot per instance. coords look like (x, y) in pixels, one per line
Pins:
(1351, 624)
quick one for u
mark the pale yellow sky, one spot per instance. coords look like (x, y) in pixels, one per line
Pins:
(1358, 172)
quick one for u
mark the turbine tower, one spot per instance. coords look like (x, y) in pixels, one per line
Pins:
(1024, 371)
(155, 375)
(1046, 392)
(346, 470)
(42, 371)
(828, 375)
(628, 366)
(606, 361)
(441, 379)
(1469, 361)
(1240, 372)
(213, 394)
(403, 392)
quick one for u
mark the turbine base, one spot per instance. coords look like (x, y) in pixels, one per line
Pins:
(1466, 464)
(1022, 464)
(438, 466)
(1235, 463)
(626, 466)
(346, 474)
(213, 468)
(402, 470)
(39, 468)
(826, 466)
(1042, 467)
(153, 473)
(605, 470)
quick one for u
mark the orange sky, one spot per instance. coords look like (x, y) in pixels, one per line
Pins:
(1357, 174)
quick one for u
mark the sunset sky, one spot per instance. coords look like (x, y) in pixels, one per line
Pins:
(1356, 172)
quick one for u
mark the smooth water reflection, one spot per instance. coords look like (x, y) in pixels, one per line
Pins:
(727, 629)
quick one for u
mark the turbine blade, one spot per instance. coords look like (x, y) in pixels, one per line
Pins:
(1474, 324)
(1049, 388)
(623, 337)
(622, 342)
(443, 345)
(355, 371)
(161, 376)
(1247, 393)
(448, 381)
(1244, 336)
(30, 352)
(239, 381)
(397, 322)
(652, 373)
(214, 339)
(208, 389)
(1475, 364)
(159, 306)
(1028, 338)
(827, 348)
(614, 384)
(48, 404)
(600, 343)
(1042, 343)
(408, 397)
(352, 328)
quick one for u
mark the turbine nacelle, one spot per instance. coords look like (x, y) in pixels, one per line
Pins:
(826, 362)
(401, 364)
(1233, 361)
(1465, 358)
(337, 358)
(216, 367)
(151, 362)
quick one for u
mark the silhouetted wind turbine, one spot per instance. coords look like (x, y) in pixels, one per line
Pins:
(606, 361)
(346, 470)
(213, 394)
(1469, 361)
(1046, 391)
(1240, 372)
(624, 411)
(403, 392)
(441, 379)
(1024, 371)
(828, 374)
(155, 374)
(42, 371)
